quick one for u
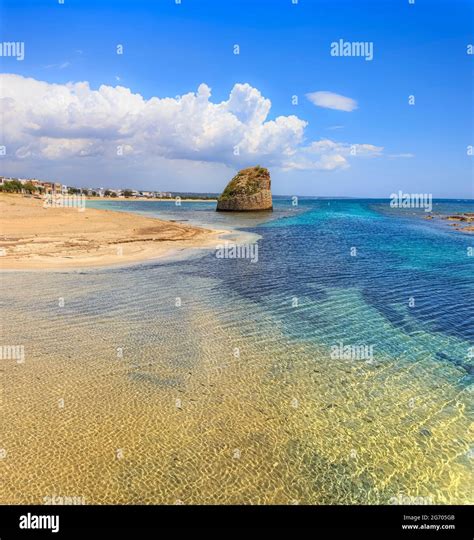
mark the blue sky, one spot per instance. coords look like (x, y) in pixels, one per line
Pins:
(171, 49)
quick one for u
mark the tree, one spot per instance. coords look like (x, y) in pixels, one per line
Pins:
(127, 193)
(29, 187)
(13, 186)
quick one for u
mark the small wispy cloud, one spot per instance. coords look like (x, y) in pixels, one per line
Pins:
(330, 100)
(62, 65)
(395, 156)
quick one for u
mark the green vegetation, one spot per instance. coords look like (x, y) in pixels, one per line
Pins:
(14, 186)
(29, 187)
(245, 182)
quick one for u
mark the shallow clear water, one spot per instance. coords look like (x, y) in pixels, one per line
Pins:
(213, 380)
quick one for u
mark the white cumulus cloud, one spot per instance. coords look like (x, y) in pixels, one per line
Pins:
(44, 121)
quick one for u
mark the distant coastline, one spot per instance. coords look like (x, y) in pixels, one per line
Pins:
(148, 199)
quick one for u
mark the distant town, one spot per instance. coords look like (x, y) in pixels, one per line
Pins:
(41, 187)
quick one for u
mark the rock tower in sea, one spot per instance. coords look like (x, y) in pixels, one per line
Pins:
(248, 191)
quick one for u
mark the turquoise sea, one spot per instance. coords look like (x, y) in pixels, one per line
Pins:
(214, 380)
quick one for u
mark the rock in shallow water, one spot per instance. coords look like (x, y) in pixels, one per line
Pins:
(248, 191)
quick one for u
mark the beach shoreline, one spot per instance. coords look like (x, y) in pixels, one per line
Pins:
(148, 199)
(33, 237)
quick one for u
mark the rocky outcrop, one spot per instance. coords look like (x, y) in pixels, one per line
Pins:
(248, 191)
(466, 218)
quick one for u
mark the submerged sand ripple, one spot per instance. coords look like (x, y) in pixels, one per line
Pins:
(175, 416)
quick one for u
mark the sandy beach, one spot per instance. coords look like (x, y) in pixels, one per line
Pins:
(33, 237)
